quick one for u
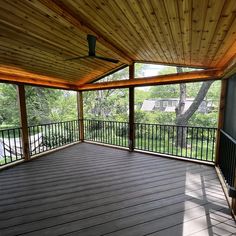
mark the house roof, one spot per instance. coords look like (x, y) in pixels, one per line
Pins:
(148, 105)
(38, 36)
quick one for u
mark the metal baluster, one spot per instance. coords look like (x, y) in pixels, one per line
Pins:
(196, 148)
(202, 142)
(191, 155)
(186, 151)
(14, 137)
(213, 144)
(160, 138)
(173, 139)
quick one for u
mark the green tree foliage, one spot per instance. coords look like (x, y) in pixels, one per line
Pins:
(106, 104)
(40, 102)
(44, 105)
(64, 108)
(154, 117)
(9, 114)
(111, 104)
(164, 91)
(140, 96)
(173, 91)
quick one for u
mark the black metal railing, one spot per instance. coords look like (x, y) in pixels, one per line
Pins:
(108, 132)
(46, 137)
(42, 138)
(10, 146)
(184, 141)
(227, 158)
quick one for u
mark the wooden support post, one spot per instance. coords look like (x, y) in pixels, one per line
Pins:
(24, 123)
(131, 110)
(80, 115)
(220, 118)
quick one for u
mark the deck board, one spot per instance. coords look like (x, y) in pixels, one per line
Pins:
(89, 189)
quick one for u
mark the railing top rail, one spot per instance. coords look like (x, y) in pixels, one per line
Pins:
(187, 126)
(228, 136)
(60, 122)
(138, 123)
(125, 122)
(10, 129)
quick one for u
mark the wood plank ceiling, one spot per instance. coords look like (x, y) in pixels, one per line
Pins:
(37, 36)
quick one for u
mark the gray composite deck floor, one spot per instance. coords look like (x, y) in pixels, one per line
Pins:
(89, 189)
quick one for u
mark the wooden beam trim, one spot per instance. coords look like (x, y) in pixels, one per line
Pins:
(61, 10)
(35, 82)
(12, 76)
(155, 80)
(38, 80)
(14, 71)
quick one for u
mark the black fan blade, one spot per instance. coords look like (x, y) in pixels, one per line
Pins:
(107, 59)
(76, 58)
(92, 44)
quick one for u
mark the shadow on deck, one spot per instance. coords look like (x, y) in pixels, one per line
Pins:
(89, 189)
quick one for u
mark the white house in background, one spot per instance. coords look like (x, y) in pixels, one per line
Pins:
(169, 105)
(148, 105)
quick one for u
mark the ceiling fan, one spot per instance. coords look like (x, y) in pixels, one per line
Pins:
(91, 53)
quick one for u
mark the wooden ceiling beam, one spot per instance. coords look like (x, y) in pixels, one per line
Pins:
(210, 74)
(59, 8)
(11, 75)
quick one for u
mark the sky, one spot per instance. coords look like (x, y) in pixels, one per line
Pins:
(150, 70)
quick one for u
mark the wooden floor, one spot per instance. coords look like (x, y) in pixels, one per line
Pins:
(88, 189)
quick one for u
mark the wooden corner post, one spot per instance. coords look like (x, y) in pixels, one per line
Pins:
(220, 118)
(23, 121)
(80, 115)
(131, 110)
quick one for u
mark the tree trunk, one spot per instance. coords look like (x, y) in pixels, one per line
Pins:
(182, 117)
(197, 101)
(181, 131)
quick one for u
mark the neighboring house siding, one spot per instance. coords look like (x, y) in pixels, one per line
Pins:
(169, 105)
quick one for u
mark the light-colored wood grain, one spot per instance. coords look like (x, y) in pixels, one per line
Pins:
(38, 36)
